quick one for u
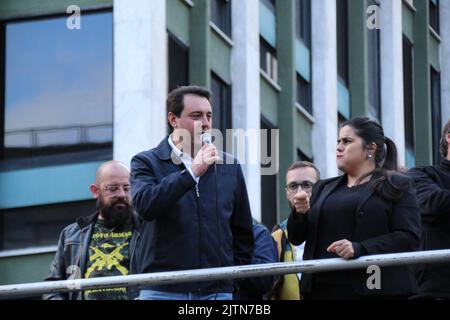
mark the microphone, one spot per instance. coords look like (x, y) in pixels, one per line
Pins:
(206, 138)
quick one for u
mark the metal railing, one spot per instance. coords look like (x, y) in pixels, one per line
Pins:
(212, 274)
(33, 134)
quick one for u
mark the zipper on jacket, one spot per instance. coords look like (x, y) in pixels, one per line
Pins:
(197, 191)
(199, 228)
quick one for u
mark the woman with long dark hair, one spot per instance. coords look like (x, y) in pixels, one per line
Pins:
(370, 209)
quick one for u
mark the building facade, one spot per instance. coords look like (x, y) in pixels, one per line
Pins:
(84, 84)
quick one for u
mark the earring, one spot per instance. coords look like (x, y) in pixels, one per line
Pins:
(370, 156)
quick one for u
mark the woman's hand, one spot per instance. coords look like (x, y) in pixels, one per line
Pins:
(343, 248)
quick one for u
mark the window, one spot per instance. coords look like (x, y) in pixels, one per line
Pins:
(39, 226)
(436, 113)
(374, 73)
(304, 93)
(303, 21)
(342, 40)
(57, 87)
(434, 15)
(408, 97)
(268, 184)
(268, 60)
(221, 15)
(303, 53)
(178, 63)
(268, 39)
(221, 105)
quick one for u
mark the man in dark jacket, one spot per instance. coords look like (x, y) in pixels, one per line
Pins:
(265, 251)
(433, 193)
(103, 243)
(197, 213)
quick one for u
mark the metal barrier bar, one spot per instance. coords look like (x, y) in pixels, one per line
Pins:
(212, 274)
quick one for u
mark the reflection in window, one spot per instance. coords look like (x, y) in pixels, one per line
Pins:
(268, 182)
(268, 59)
(304, 94)
(221, 104)
(374, 72)
(221, 15)
(342, 40)
(408, 87)
(434, 15)
(178, 63)
(436, 113)
(303, 21)
(58, 90)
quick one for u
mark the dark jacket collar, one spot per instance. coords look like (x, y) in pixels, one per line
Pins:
(445, 164)
(164, 150)
(329, 188)
(87, 220)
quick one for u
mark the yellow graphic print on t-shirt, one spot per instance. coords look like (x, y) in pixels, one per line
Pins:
(101, 260)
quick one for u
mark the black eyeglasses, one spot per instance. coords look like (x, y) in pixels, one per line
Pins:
(293, 186)
(113, 189)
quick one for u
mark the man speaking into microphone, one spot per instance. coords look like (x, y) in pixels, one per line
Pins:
(194, 202)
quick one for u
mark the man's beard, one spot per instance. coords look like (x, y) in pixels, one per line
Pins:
(114, 216)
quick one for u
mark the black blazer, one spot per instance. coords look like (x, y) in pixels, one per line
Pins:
(381, 226)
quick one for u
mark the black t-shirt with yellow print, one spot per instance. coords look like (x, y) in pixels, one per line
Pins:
(109, 255)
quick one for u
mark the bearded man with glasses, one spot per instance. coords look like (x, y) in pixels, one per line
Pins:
(103, 243)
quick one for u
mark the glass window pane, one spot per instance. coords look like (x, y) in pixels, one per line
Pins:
(221, 15)
(39, 226)
(221, 105)
(436, 113)
(58, 87)
(178, 63)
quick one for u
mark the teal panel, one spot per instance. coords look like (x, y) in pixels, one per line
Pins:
(343, 100)
(267, 25)
(24, 269)
(178, 15)
(302, 60)
(269, 102)
(220, 53)
(408, 22)
(434, 53)
(10, 9)
(303, 134)
(46, 185)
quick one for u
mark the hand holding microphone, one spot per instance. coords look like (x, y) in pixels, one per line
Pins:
(206, 156)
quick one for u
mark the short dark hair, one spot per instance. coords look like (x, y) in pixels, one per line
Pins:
(304, 164)
(175, 99)
(444, 145)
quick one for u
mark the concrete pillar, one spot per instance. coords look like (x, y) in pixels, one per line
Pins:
(391, 52)
(445, 59)
(140, 76)
(246, 88)
(324, 82)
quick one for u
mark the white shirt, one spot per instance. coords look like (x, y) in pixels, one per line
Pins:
(185, 158)
(298, 255)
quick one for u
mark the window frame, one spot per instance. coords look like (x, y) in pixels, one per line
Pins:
(225, 23)
(4, 163)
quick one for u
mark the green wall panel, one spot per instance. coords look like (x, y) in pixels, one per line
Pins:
(220, 53)
(269, 102)
(23, 269)
(178, 18)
